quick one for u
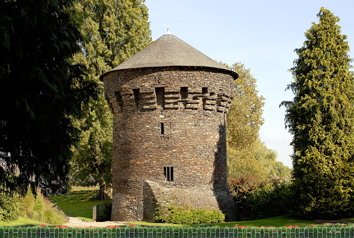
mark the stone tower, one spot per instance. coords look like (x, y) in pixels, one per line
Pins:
(169, 103)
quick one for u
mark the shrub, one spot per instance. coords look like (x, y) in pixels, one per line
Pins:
(241, 189)
(40, 209)
(272, 199)
(9, 206)
(187, 215)
(256, 199)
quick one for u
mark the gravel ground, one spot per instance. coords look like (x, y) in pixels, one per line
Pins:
(77, 222)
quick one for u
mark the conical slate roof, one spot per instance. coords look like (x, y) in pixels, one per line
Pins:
(167, 51)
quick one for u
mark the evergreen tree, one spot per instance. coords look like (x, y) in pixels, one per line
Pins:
(113, 32)
(320, 118)
(39, 92)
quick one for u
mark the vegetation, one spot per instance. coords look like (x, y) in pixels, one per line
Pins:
(9, 206)
(77, 205)
(40, 92)
(247, 154)
(269, 200)
(83, 189)
(276, 221)
(237, 231)
(251, 165)
(320, 118)
(245, 114)
(113, 32)
(187, 215)
(40, 209)
(29, 209)
(49, 91)
(21, 221)
(257, 160)
(257, 199)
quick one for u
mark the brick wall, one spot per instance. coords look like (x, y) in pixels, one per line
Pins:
(169, 129)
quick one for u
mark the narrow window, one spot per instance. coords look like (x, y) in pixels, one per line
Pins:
(204, 90)
(160, 97)
(184, 92)
(171, 178)
(136, 97)
(168, 173)
(162, 129)
(119, 100)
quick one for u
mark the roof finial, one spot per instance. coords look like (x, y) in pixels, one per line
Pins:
(168, 31)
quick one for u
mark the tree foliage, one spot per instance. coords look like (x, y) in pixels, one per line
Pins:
(258, 161)
(247, 154)
(320, 118)
(257, 199)
(40, 91)
(113, 32)
(9, 207)
(245, 114)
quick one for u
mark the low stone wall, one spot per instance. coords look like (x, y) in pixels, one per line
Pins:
(198, 197)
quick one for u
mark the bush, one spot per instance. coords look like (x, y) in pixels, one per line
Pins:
(272, 199)
(187, 215)
(9, 206)
(256, 199)
(240, 189)
(40, 209)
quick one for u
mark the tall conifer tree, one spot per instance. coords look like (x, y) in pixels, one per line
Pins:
(320, 117)
(113, 31)
(40, 92)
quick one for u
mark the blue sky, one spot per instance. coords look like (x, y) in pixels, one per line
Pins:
(260, 34)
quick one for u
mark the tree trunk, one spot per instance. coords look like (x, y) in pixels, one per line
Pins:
(103, 194)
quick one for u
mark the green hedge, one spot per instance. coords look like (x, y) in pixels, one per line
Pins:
(181, 232)
(187, 215)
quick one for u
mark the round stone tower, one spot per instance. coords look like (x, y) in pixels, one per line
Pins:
(169, 103)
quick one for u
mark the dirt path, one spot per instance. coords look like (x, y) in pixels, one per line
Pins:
(77, 222)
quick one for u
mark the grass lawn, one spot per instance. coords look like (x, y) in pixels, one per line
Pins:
(21, 221)
(272, 221)
(77, 205)
(277, 221)
(80, 205)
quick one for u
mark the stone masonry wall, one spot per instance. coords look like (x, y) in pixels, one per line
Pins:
(169, 129)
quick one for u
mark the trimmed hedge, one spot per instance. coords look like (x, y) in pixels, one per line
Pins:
(181, 232)
(187, 215)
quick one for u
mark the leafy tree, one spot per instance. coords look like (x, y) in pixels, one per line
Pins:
(258, 161)
(39, 92)
(247, 154)
(113, 32)
(245, 115)
(320, 117)
(243, 123)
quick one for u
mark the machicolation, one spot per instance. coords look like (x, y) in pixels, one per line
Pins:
(169, 103)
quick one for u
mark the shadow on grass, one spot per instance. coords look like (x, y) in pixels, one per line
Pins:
(21, 221)
(277, 221)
